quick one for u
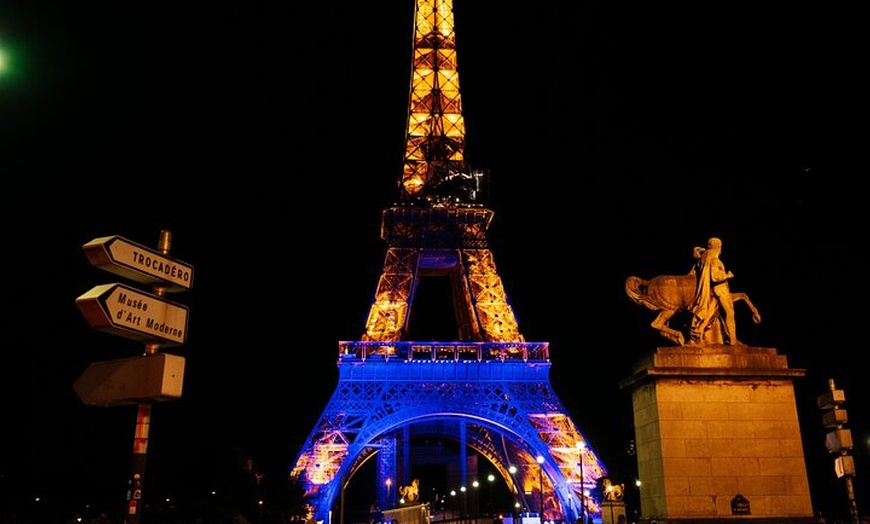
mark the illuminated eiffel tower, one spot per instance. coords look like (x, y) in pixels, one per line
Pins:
(489, 390)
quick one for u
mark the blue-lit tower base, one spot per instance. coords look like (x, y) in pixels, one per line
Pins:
(493, 398)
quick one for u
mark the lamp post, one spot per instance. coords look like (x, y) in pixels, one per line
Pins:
(540, 460)
(344, 482)
(513, 471)
(581, 450)
(389, 483)
(488, 506)
(476, 485)
(609, 498)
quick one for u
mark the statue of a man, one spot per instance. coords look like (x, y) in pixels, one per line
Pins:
(712, 302)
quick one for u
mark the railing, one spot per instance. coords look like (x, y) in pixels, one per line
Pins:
(443, 351)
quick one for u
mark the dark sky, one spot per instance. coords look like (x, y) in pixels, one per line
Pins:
(268, 138)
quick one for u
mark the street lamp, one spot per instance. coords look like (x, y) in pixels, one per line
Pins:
(637, 484)
(389, 483)
(488, 506)
(513, 471)
(581, 451)
(609, 497)
(540, 460)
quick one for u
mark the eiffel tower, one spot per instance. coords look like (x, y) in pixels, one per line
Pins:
(489, 390)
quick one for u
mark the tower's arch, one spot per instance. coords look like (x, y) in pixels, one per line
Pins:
(503, 408)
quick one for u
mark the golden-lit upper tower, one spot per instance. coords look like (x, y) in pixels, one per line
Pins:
(434, 164)
(437, 229)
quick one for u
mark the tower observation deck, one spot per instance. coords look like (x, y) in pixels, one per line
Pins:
(489, 389)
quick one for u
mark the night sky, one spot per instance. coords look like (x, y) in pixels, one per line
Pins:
(267, 139)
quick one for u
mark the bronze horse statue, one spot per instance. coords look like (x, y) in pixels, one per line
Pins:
(671, 294)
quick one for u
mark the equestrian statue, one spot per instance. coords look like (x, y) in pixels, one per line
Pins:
(703, 292)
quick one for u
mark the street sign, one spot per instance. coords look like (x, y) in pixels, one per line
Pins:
(844, 465)
(131, 380)
(123, 310)
(838, 440)
(138, 263)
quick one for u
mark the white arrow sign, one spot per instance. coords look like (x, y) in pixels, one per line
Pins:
(128, 312)
(138, 263)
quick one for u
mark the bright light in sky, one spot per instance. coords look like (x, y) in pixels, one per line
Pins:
(8, 62)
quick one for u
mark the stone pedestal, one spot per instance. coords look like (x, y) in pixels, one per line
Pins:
(611, 510)
(717, 436)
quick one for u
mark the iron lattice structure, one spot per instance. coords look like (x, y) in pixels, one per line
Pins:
(489, 390)
(494, 398)
(434, 164)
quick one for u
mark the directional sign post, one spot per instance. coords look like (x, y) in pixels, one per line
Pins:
(839, 439)
(150, 318)
(128, 312)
